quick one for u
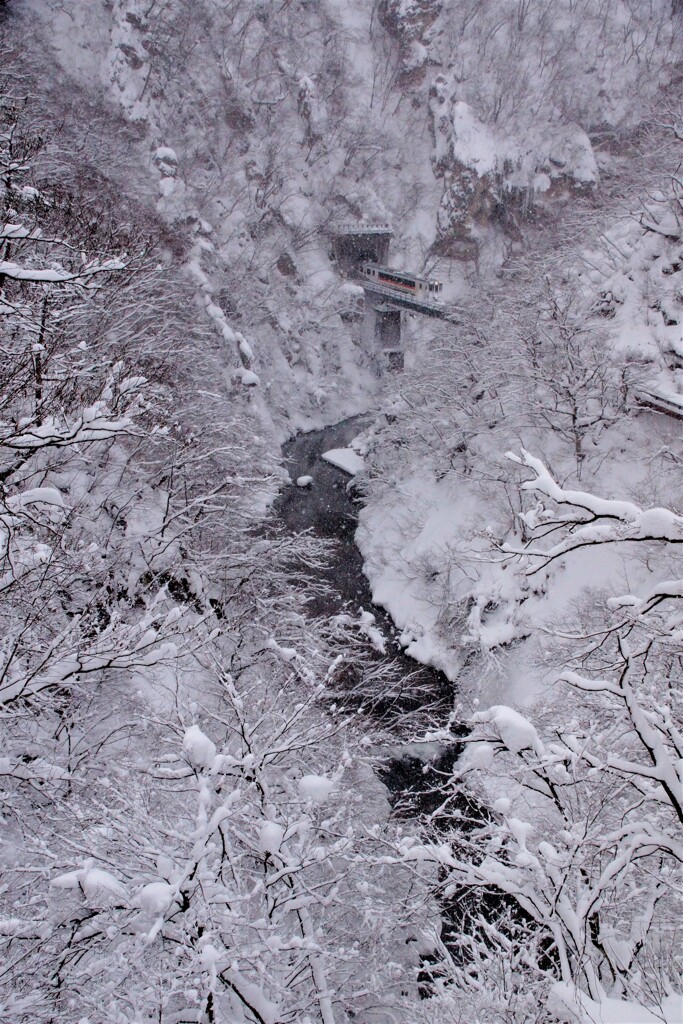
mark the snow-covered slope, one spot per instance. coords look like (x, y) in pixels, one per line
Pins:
(564, 378)
(253, 127)
(192, 832)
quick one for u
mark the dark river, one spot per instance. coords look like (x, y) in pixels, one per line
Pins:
(413, 696)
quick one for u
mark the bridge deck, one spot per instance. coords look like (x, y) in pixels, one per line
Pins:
(417, 305)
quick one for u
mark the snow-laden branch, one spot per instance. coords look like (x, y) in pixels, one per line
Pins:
(52, 276)
(589, 520)
(658, 737)
(120, 647)
(14, 232)
(93, 424)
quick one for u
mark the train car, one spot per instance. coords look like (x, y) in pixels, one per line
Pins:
(421, 288)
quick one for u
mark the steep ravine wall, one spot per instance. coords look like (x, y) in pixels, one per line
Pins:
(252, 127)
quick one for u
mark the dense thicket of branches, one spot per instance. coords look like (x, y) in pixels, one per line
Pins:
(557, 839)
(179, 837)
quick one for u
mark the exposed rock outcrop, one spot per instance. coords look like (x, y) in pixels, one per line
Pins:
(494, 176)
(409, 21)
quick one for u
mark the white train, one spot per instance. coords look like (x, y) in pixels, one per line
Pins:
(422, 288)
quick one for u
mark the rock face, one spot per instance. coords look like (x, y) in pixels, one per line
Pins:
(498, 177)
(409, 21)
(457, 121)
(514, 92)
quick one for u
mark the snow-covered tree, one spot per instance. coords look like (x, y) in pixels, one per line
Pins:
(186, 834)
(575, 844)
(566, 383)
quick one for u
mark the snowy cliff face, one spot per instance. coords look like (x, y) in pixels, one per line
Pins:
(526, 99)
(493, 179)
(410, 21)
(252, 128)
(257, 127)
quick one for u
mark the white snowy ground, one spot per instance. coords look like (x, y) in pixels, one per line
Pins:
(428, 543)
(574, 1007)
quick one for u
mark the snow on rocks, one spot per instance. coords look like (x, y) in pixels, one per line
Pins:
(365, 623)
(248, 378)
(501, 158)
(304, 481)
(345, 458)
(352, 290)
(245, 348)
(474, 144)
(166, 161)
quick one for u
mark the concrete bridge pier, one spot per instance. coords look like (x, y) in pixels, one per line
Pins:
(389, 324)
(382, 332)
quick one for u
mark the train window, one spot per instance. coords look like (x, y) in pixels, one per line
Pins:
(398, 279)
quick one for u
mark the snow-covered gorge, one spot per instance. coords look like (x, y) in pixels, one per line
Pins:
(192, 830)
(251, 128)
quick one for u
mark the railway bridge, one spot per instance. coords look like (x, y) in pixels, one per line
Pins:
(361, 250)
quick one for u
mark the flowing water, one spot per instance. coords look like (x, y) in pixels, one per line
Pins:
(329, 510)
(413, 773)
